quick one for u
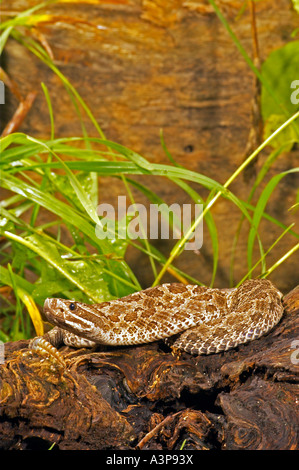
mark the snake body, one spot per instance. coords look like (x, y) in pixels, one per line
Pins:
(201, 320)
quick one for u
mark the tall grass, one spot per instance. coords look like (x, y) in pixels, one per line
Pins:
(61, 177)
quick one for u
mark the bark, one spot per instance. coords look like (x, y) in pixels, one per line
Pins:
(145, 397)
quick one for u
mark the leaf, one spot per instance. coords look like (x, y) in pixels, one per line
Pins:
(86, 277)
(280, 70)
(259, 210)
(5, 279)
(76, 192)
(286, 138)
(85, 201)
(72, 216)
(296, 5)
(20, 18)
(106, 168)
(81, 194)
(129, 154)
(16, 138)
(51, 289)
(50, 283)
(33, 311)
(54, 205)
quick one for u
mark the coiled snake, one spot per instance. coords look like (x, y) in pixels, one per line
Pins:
(201, 320)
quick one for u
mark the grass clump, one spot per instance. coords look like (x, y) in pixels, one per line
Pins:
(60, 176)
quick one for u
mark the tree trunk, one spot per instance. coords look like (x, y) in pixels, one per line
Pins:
(144, 65)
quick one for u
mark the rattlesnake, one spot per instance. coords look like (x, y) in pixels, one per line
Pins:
(196, 319)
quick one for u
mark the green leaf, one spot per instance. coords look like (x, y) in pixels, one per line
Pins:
(76, 192)
(16, 138)
(54, 205)
(5, 279)
(72, 216)
(106, 168)
(88, 277)
(281, 70)
(286, 138)
(51, 283)
(22, 18)
(259, 210)
(4, 37)
(296, 5)
(129, 154)
(81, 194)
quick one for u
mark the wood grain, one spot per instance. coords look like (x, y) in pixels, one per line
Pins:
(143, 66)
(245, 398)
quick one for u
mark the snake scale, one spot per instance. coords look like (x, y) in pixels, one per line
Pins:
(196, 319)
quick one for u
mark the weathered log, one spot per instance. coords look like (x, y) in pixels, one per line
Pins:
(145, 397)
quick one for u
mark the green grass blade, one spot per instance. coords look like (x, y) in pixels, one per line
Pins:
(9, 25)
(259, 210)
(54, 205)
(37, 50)
(4, 37)
(50, 109)
(209, 220)
(18, 320)
(48, 251)
(248, 274)
(5, 280)
(250, 63)
(281, 260)
(69, 215)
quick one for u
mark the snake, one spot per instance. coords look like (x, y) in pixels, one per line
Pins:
(192, 318)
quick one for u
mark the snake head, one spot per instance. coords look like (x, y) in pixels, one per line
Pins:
(75, 317)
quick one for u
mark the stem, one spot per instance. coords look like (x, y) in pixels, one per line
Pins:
(281, 260)
(265, 254)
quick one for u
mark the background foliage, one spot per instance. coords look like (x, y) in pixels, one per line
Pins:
(64, 257)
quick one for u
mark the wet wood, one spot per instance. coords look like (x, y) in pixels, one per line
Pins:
(145, 397)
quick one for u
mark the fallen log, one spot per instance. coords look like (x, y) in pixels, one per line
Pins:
(145, 397)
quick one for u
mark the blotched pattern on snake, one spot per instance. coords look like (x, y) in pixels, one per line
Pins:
(196, 319)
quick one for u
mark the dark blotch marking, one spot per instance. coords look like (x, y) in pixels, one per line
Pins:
(154, 292)
(177, 288)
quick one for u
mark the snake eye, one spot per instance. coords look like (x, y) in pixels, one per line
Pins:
(72, 306)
